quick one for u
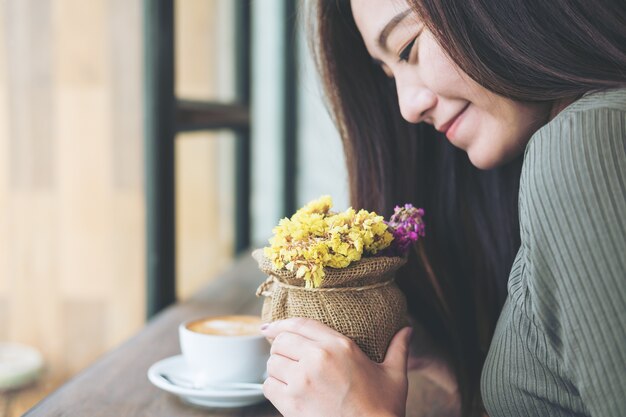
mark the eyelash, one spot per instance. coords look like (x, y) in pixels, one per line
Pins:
(406, 52)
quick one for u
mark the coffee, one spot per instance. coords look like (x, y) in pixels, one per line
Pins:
(224, 349)
(227, 326)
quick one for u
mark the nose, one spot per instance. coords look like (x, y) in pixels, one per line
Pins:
(415, 101)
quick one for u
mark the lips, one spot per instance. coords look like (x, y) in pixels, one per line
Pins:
(444, 128)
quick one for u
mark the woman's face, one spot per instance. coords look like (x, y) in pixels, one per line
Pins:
(432, 89)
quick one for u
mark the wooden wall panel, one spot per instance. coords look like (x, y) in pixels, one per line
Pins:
(72, 212)
(29, 81)
(126, 306)
(86, 324)
(33, 271)
(81, 43)
(71, 193)
(4, 156)
(126, 114)
(4, 318)
(85, 193)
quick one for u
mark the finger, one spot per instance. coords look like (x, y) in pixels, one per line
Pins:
(276, 392)
(291, 345)
(309, 328)
(398, 350)
(282, 368)
(273, 389)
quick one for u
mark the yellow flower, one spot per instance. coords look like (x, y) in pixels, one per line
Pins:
(315, 238)
(320, 206)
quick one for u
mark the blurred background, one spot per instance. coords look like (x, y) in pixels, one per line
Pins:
(88, 162)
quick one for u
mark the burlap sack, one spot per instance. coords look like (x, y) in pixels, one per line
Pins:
(361, 301)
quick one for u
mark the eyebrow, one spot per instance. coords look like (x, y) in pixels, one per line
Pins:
(384, 34)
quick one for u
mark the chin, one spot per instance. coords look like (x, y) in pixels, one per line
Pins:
(485, 161)
(489, 155)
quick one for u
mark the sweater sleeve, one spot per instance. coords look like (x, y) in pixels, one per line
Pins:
(579, 245)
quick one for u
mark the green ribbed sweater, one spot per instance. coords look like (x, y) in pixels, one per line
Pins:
(559, 348)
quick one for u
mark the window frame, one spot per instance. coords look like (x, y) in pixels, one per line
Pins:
(165, 116)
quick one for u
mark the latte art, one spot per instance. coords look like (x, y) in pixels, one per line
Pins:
(227, 326)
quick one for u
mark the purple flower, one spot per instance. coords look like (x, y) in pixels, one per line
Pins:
(407, 227)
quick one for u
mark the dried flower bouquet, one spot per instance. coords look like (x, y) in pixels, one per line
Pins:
(339, 268)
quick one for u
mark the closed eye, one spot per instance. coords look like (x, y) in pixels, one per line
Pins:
(406, 52)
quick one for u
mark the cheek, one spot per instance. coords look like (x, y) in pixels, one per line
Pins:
(521, 121)
(437, 71)
(499, 138)
(433, 64)
(493, 146)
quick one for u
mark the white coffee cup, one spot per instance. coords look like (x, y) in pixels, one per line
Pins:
(224, 349)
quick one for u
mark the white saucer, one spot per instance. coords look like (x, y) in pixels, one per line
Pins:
(227, 398)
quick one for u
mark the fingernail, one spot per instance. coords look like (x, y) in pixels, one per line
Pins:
(264, 326)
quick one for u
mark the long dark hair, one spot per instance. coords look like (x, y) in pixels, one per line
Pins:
(455, 281)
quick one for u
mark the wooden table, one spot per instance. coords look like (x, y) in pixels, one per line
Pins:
(117, 385)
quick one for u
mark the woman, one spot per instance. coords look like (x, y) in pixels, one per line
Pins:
(445, 103)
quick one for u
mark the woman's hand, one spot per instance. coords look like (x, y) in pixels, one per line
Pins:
(316, 371)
